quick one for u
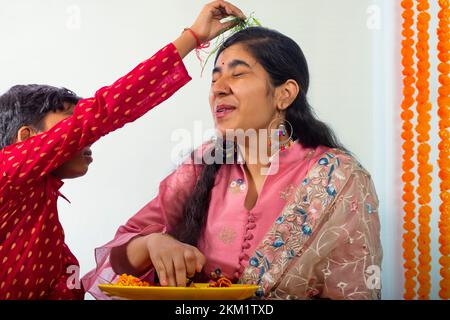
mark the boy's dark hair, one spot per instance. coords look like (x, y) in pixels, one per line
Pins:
(27, 105)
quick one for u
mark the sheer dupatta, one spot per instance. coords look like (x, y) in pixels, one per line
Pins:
(326, 242)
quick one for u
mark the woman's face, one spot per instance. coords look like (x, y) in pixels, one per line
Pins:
(241, 95)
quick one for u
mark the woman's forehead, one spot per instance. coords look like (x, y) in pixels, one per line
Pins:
(235, 52)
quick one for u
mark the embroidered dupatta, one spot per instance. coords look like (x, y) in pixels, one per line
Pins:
(325, 243)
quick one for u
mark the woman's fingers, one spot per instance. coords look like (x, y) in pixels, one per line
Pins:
(200, 260)
(170, 271)
(175, 268)
(180, 270)
(174, 261)
(161, 271)
(190, 260)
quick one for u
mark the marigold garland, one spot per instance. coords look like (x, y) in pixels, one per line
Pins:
(408, 149)
(444, 146)
(424, 168)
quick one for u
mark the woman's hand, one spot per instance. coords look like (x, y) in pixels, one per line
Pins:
(173, 260)
(207, 26)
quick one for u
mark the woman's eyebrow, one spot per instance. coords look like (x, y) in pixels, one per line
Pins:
(231, 65)
(235, 63)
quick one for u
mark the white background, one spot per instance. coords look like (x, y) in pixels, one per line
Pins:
(352, 49)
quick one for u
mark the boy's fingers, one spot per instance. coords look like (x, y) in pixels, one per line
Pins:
(233, 10)
(218, 9)
(229, 24)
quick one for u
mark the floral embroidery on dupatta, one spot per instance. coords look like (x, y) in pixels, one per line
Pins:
(298, 220)
(288, 192)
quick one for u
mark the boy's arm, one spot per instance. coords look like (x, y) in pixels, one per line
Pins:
(130, 97)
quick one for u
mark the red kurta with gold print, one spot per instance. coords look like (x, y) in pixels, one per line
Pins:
(35, 263)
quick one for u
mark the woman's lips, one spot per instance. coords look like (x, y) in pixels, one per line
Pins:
(223, 110)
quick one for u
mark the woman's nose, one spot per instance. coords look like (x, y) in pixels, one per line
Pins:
(221, 87)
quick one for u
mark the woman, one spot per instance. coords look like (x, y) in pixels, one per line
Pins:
(302, 225)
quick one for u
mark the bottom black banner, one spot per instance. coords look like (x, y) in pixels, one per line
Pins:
(249, 309)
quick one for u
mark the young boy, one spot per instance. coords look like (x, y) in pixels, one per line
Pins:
(45, 135)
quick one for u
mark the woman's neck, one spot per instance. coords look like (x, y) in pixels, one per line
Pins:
(256, 155)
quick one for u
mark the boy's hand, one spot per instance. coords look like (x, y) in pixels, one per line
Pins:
(207, 26)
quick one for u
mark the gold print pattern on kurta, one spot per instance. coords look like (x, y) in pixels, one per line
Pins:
(227, 235)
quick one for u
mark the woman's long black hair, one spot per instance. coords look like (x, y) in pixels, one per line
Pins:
(282, 59)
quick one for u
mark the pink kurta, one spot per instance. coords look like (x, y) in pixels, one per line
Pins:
(232, 231)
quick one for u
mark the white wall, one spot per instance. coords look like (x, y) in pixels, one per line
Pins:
(84, 45)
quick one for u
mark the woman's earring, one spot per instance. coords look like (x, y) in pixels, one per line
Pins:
(284, 140)
(280, 139)
(282, 132)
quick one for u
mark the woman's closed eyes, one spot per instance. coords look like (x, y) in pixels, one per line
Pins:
(234, 75)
